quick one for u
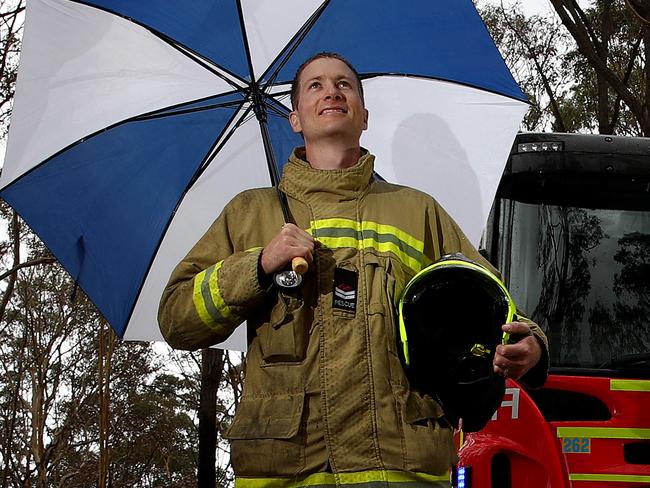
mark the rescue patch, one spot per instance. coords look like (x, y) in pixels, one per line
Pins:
(344, 296)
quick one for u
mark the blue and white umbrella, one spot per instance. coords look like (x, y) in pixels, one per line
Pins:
(134, 122)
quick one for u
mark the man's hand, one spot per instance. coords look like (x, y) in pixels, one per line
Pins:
(515, 360)
(289, 243)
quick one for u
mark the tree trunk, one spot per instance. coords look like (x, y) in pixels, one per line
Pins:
(211, 371)
(106, 347)
(645, 119)
(13, 412)
(602, 47)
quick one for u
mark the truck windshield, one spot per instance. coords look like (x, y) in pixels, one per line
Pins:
(583, 274)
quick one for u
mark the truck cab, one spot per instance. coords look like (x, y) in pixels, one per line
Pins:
(570, 231)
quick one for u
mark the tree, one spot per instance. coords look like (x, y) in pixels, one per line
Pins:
(613, 36)
(583, 71)
(48, 335)
(11, 26)
(534, 48)
(80, 408)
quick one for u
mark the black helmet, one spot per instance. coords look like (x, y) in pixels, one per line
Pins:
(450, 318)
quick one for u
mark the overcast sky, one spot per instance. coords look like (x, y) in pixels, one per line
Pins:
(529, 6)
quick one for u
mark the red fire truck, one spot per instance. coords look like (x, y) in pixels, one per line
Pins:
(570, 230)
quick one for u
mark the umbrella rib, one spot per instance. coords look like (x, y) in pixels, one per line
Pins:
(222, 139)
(244, 34)
(205, 63)
(293, 44)
(166, 112)
(368, 76)
(272, 107)
(146, 116)
(213, 68)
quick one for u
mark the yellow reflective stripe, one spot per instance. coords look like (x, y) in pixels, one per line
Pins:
(403, 336)
(209, 304)
(323, 223)
(336, 233)
(603, 432)
(390, 476)
(335, 242)
(629, 385)
(389, 229)
(413, 263)
(331, 479)
(624, 478)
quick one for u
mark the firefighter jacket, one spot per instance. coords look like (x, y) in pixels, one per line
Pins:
(325, 399)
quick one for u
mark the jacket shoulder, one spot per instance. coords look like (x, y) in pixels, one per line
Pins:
(252, 198)
(407, 193)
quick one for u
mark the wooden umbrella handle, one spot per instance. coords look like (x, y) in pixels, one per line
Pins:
(299, 265)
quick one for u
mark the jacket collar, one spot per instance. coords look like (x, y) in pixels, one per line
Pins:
(301, 181)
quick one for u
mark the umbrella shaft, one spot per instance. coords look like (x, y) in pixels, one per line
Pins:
(259, 108)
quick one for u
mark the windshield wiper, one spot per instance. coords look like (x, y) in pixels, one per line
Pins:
(628, 360)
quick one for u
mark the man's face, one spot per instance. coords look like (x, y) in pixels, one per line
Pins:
(329, 103)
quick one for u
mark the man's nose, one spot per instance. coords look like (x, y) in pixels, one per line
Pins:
(334, 92)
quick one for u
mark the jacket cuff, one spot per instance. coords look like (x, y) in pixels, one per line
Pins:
(265, 281)
(238, 278)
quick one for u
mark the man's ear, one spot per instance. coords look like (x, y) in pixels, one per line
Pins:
(294, 120)
(365, 119)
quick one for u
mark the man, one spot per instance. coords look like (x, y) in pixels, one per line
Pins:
(326, 401)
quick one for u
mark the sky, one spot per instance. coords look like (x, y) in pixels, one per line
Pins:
(529, 7)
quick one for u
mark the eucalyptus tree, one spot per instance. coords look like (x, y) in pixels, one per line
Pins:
(585, 68)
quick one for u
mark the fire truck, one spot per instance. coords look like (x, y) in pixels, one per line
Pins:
(570, 231)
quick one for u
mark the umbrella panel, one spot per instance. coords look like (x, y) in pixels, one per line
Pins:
(102, 205)
(444, 40)
(239, 165)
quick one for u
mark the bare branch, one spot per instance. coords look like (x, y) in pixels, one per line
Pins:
(27, 264)
(573, 20)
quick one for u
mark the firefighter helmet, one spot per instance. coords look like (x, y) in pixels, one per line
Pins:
(450, 318)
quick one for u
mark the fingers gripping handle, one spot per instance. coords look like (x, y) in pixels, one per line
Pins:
(299, 265)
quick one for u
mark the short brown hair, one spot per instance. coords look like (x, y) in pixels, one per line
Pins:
(295, 88)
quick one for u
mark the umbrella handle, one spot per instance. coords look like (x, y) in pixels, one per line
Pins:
(299, 265)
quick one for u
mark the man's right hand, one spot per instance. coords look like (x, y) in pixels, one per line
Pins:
(289, 243)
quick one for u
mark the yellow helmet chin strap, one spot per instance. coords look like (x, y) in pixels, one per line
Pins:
(477, 349)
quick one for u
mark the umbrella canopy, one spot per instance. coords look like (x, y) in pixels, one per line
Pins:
(135, 122)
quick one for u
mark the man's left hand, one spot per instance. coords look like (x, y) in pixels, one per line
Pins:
(515, 360)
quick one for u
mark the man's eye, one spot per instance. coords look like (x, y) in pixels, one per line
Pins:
(314, 84)
(343, 84)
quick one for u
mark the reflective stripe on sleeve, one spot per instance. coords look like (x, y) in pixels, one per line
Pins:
(208, 301)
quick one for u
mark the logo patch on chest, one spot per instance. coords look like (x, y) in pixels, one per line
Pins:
(344, 296)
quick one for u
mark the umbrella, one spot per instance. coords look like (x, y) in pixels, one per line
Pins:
(135, 122)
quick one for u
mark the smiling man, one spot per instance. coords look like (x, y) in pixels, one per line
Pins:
(326, 401)
(329, 111)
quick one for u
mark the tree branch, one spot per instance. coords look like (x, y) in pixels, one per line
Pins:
(572, 21)
(27, 264)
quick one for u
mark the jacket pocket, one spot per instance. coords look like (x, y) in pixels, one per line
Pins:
(381, 288)
(428, 442)
(265, 437)
(284, 339)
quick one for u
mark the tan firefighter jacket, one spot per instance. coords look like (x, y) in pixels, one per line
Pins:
(325, 391)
